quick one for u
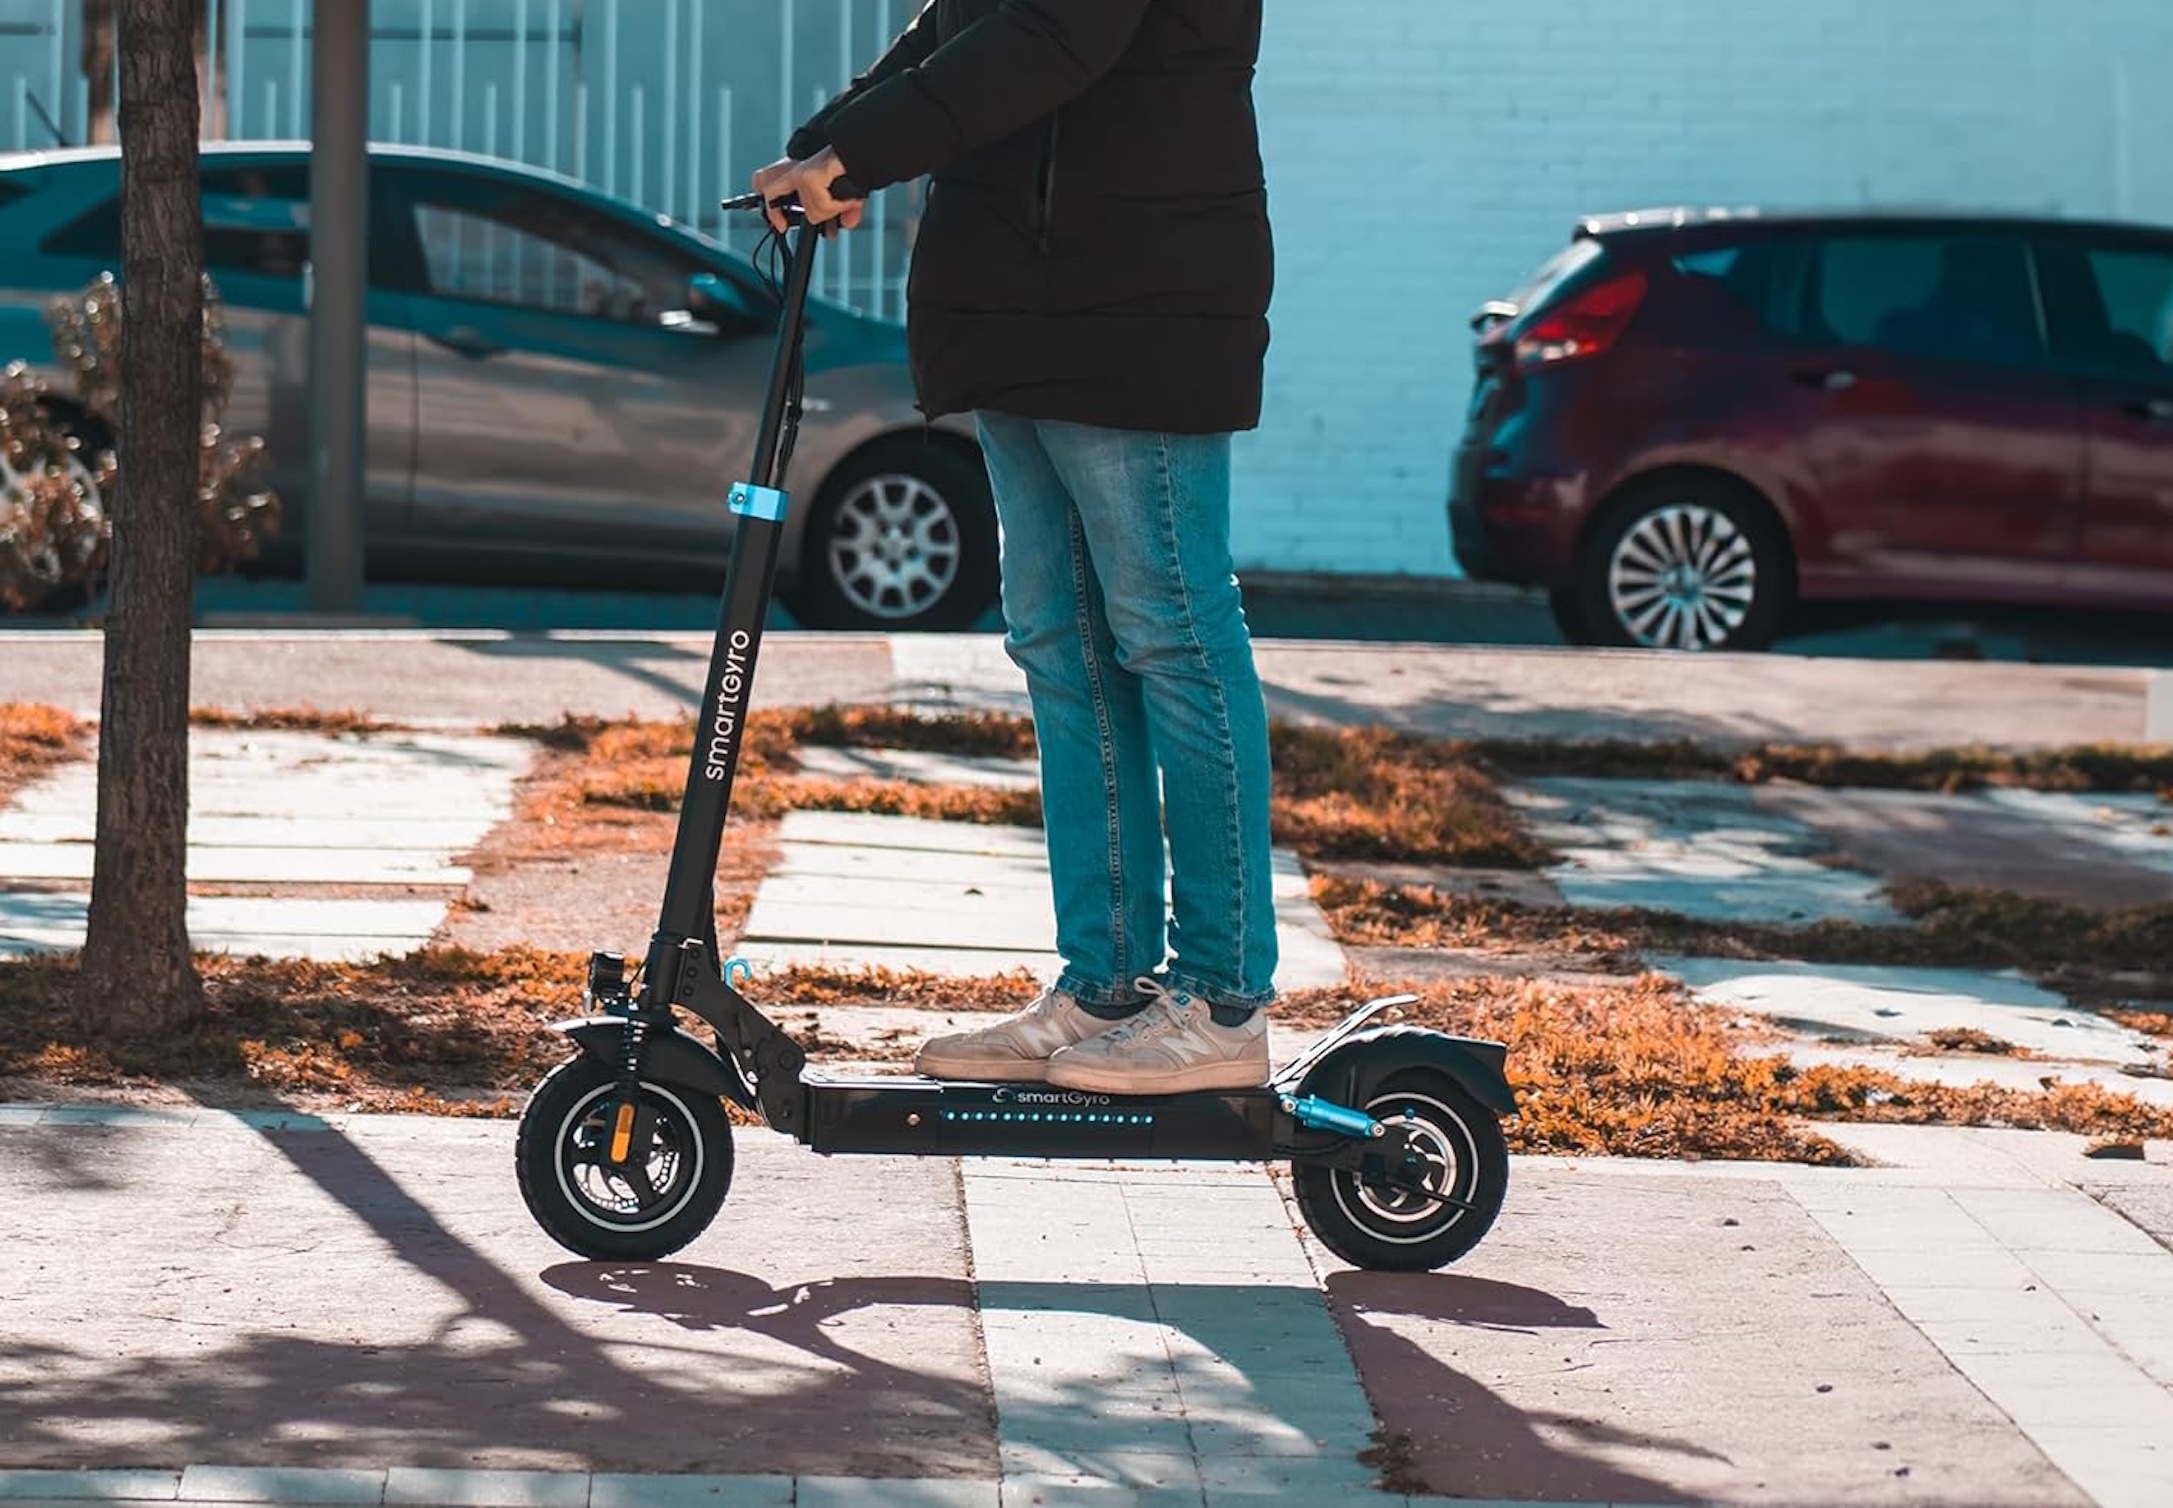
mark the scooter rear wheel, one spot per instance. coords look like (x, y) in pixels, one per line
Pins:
(638, 1213)
(1371, 1223)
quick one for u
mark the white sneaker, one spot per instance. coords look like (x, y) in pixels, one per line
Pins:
(1017, 1049)
(1174, 1046)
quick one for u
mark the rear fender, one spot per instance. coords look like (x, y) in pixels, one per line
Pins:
(1356, 1069)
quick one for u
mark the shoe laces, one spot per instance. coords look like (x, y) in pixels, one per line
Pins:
(1157, 1017)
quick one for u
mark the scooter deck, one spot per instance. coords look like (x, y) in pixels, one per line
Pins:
(909, 1114)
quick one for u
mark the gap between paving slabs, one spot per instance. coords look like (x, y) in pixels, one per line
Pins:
(621, 779)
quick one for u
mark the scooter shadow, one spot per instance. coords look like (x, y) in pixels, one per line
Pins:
(695, 1297)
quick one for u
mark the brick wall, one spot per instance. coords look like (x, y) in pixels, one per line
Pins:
(1423, 155)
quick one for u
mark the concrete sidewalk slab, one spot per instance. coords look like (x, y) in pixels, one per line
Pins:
(1694, 847)
(852, 890)
(478, 679)
(1623, 1338)
(1873, 1003)
(277, 926)
(270, 809)
(376, 1295)
(2085, 851)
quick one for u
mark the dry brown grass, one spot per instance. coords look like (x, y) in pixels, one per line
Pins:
(1639, 1070)
(33, 739)
(294, 720)
(440, 1030)
(2087, 767)
(1351, 795)
(1634, 1069)
(1953, 929)
(2136, 1019)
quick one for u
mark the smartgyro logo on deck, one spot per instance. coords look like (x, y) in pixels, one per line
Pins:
(724, 718)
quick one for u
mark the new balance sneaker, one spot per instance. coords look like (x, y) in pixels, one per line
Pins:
(1017, 1049)
(1174, 1046)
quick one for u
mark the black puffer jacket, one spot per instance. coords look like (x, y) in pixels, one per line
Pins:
(1096, 243)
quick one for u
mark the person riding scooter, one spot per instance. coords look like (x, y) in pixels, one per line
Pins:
(1091, 282)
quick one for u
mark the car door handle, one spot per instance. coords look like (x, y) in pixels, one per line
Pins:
(2150, 410)
(1832, 382)
(466, 340)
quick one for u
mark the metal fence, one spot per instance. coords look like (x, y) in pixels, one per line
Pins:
(670, 104)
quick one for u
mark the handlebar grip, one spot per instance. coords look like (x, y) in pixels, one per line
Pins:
(842, 189)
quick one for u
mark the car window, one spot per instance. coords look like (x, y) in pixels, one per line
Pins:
(256, 221)
(1761, 279)
(535, 252)
(2113, 308)
(1963, 298)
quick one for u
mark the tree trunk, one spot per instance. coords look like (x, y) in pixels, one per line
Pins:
(138, 976)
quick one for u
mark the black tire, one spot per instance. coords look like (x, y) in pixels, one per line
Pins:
(1388, 1230)
(1569, 618)
(559, 1157)
(938, 572)
(1626, 597)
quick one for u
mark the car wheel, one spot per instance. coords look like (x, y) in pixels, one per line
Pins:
(1569, 619)
(1687, 564)
(903, 537)
(73, 588)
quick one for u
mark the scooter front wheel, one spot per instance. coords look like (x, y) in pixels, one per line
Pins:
(645, 1208)
(1430, 1216)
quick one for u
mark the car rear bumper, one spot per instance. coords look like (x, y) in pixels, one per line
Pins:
(1508, 528)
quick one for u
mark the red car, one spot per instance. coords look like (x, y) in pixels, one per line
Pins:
(1688, 423)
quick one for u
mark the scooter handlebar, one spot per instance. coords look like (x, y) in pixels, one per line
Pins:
(842, 189)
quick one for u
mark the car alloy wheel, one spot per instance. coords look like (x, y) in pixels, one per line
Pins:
(895, 546)
(1683, 576)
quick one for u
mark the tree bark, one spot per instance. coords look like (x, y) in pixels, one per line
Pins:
(98, 42)
(138, 975)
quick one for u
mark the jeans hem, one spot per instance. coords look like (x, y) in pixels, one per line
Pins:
(1200, 989)
(1088, 994)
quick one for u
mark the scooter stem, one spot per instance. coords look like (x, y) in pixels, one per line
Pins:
(719, 732)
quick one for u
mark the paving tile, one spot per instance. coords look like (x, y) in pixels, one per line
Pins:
(243, 866)
(486, 1489)
(629, 1490)
(19, 1483)
(1873, 1003)
(2078, 1272)
(1308, 1480)
(1690, 847)
(885, 1492)
(924, 766)
(2114, 1464)
(1090, 1492)
(1117, 1466)
(2081, 1387)
(285, 1485)
(2064, 1220)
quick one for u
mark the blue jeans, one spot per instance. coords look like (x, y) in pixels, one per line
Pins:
(1124, 613)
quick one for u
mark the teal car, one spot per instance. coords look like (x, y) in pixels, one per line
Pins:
(561, 385)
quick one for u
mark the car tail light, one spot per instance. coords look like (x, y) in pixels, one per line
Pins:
(1585, 324)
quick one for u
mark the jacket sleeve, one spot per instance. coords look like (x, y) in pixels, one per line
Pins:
(912, 49)
(1014, 66)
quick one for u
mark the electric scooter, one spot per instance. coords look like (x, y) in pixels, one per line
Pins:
(624, 1152)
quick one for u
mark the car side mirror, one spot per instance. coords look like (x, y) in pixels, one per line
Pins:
(718, 303)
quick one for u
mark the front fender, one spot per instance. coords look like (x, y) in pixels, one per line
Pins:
(670, 1057)
(1350, 1074)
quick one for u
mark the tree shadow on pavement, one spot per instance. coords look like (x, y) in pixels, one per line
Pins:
(342, 1322)
(1464, 1439)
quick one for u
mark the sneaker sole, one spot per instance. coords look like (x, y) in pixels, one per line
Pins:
(984, 1071)
(1119, 1080)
